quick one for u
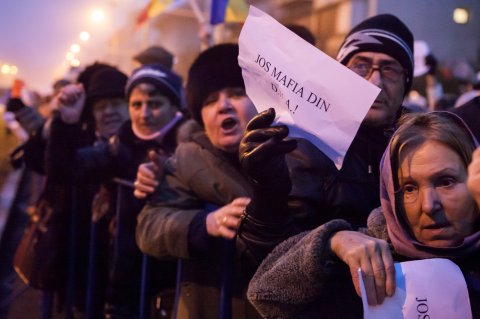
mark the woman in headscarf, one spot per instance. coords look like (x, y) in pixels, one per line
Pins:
(427, 211)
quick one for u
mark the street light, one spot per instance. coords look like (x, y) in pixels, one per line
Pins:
(98, 16)
(8, 69)
(75, 63)
(75, 48)
(5, 69)
(84, 36)
(69, 56)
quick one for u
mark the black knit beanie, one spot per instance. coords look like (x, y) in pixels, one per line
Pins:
(100, 81)
(86, 75)
(161, 77)
(106, 83)
(383, 33)
(214, 69)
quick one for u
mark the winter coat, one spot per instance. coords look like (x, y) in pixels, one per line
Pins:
(200, 178)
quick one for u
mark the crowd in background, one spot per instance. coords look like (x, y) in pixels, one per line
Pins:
(165, 198)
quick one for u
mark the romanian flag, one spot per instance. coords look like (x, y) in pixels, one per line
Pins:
(228, 11)
(153, 8)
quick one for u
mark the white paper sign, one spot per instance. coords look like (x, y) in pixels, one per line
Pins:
(316, 96)
(426, 289)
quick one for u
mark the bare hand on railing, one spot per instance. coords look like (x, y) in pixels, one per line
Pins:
(149, 175)
(224, 221)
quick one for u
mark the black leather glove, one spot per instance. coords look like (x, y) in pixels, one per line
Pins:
(432, 64)
(262, 154)
(267, 220)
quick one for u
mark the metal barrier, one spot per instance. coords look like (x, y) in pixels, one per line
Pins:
(72, 255)
(225, 311)
(144, 285)
(46, 305)
(144, 304)
(92, 273)
(225, 307)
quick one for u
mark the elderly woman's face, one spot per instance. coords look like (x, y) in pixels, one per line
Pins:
(225, 115)
(438, 206)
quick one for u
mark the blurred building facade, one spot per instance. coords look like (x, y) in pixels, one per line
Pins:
(178, 29)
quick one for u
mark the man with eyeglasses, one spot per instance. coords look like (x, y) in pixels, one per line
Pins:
(296, 187)
(380, 50)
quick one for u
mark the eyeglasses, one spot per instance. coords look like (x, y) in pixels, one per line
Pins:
(387, 72)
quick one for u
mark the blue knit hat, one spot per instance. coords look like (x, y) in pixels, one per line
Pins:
(159, 76)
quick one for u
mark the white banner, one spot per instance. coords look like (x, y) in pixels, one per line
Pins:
(426, 289)
(316, 96)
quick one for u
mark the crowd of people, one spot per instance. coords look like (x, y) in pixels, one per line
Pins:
(180, 201)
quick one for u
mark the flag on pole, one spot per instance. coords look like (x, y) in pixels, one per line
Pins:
(228, 11)
(153, 8)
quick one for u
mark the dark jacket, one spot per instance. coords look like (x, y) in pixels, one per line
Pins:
(326, 193)
(118, 157)
(71, 204)
(319, 193)
(200, 178)
(106, 163)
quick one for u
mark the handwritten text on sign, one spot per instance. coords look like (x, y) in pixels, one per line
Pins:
(317, 97)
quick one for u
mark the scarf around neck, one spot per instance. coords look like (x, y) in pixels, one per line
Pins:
(158, 136)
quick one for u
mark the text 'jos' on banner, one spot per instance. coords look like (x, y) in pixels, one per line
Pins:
(426, 289)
